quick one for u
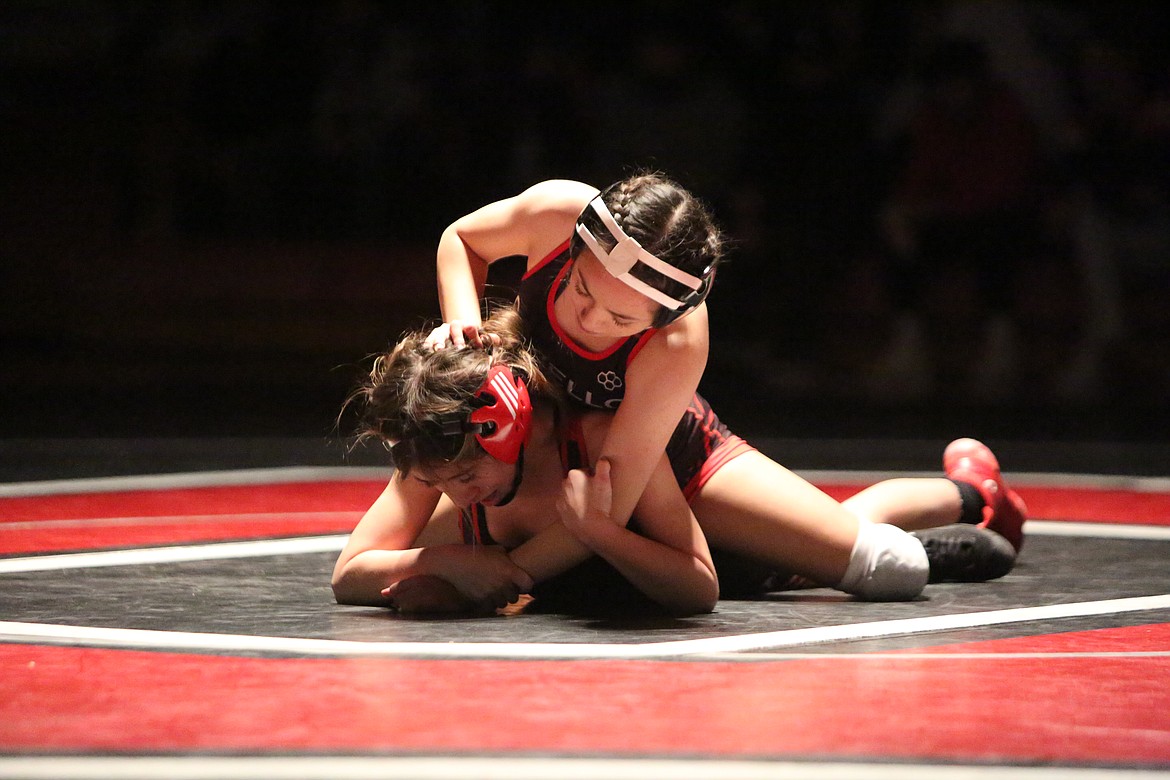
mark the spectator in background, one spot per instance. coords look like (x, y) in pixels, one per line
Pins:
(1026, 43)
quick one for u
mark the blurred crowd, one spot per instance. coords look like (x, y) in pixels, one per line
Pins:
(965, 201)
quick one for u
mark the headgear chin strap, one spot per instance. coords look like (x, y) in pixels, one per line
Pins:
(628, 252)
(501, 420)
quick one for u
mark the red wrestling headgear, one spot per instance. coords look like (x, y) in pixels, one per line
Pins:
(501, 426)
(501, 417)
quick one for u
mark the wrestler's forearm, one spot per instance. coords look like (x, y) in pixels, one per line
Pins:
(552, 551)
(461, 278)
(683, 583)
(363, 577)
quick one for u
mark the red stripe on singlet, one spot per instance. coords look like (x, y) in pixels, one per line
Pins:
(547, 259)
(727, 448)
(730, 448)
(476, 516)
(643, 340)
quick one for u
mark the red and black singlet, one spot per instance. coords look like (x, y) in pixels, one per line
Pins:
(594, 379)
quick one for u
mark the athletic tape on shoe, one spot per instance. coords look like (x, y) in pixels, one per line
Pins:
(628, 252)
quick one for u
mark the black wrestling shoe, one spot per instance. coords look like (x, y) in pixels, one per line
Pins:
(966, 553)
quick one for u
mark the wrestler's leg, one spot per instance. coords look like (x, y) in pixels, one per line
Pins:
(909, 503)
(944, 522)
(755, 507)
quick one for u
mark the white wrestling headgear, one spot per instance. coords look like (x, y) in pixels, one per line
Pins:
(627, 253)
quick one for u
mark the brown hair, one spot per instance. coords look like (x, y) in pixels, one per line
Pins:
(410, 386)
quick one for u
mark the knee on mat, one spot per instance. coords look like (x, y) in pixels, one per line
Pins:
(887, 564)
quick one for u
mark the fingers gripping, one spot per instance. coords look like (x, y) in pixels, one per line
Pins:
(459, 334)
(600, 491)
(586, 500)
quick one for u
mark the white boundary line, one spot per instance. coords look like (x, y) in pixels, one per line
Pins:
(361, 473)
(908, 655)
(334, 542)
(140, 520)
(197, 552)
(64, 634)
(1157, 533)
(523, 768)
(193, 479)
(35, 633)
(319, 767)
(1052, 479)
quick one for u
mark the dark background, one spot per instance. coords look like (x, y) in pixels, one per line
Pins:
(212, 212)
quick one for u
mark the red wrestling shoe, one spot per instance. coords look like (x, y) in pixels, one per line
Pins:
(970, 461)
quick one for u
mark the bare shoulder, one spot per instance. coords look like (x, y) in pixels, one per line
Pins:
(547, 212)
(555, 199)
(671, 363)
(684, 339)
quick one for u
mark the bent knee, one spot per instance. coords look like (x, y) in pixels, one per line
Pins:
(887, 564)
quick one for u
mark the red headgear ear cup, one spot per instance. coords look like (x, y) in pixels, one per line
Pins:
(505, 420)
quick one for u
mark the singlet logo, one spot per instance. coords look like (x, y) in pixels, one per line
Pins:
(609, 380)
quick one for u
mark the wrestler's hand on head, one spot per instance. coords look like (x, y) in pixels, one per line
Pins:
(479, 338)
(445, 336)
(585, 503)
(457, 333)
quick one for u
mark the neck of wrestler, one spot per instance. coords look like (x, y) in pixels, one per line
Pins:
(539, 451)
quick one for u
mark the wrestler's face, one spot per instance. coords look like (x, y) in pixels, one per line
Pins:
(482, 480)
(601, 308)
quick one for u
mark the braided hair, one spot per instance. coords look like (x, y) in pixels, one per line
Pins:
(671, 224)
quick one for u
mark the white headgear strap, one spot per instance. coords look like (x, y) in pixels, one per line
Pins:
(626, 253)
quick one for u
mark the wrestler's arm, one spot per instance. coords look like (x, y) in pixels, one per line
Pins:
(668, 559)
(396, 542)
(530, 224)
(660, 385)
